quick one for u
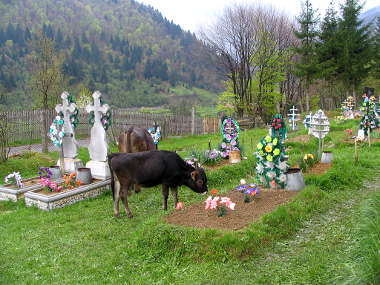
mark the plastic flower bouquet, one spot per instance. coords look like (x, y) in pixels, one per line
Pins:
(271, 165)
(220, 204)
(14, 178)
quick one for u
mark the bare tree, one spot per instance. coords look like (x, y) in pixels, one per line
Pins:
(47, 79)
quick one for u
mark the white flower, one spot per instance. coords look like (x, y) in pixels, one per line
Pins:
(262, 179)
(282, 177)
(269, 164)
(243, 182)
(58, 118)
(61, 134)
(260, 169)
(271, 175)
(283, 165)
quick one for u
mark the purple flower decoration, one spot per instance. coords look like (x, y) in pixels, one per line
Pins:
(224, 145)
(233, 142)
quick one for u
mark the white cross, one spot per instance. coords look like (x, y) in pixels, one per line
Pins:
(67, 109)
(97, 107)
(293, 117)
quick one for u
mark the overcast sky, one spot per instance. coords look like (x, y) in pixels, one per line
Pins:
(192, 14)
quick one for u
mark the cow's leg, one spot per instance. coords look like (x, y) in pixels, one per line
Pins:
(175, 195)
(116, 197)
(137, 188)
(124, 197)
(165, 194)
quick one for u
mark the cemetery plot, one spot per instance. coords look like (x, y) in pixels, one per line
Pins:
(51, 200)
(300, 138)
(13, 193)
(319, 168)
(244, 213)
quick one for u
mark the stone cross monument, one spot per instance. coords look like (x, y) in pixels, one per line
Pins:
(98, 146)
(69, 143)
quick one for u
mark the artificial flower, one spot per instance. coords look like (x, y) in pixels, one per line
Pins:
(211, 203)
(259, 169)
(305, 157)
(269, 157)
(259, 146)
(282, 178)
(261, 153)
(179, 206)
(242, 182)
(276, 151)
(227, 201)
(262, 179)
(269, 164)
(268, 148)
(271, 174)
(268, 139)
(283, 165)
(273, 184)
(214, 192)
(275, 141)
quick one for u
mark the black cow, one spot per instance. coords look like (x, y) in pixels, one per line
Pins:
(151, 168)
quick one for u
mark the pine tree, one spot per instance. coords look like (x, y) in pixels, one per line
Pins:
(328, 46)
(307, 67)
(376, 55)
(355, 55)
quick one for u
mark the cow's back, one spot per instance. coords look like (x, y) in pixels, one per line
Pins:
(135, 140)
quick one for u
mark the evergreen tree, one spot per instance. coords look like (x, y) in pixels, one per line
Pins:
(355, 41)
(328, 46)
(307, 67)
(376, 55)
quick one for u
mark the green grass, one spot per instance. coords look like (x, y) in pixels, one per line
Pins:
(84, 244)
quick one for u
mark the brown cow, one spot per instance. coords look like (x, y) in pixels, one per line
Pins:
(135, 140)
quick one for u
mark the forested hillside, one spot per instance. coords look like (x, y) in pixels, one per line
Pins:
(127, 50)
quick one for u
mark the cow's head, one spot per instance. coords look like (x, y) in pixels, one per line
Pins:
(198, 180)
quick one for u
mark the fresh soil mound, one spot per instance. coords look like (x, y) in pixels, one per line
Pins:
(220, 164)
(319, 168)
(300, 138)
(245, 213)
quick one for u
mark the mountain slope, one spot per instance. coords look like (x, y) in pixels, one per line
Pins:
(369, 17)
(121, 47)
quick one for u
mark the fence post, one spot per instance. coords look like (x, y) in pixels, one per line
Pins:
(193, 121)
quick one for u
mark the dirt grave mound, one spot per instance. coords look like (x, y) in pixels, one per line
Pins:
(319, 168)
(195, 215)
(300, 138)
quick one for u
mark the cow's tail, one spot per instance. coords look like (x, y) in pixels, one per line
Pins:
(129, 145)
(110, 156)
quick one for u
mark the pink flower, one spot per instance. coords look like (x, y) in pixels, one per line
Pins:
(211, 203)
(53, 185)
(44, 181)
(179, 206)
(227, 201)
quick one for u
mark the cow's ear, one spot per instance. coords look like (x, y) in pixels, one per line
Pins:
(193, 175)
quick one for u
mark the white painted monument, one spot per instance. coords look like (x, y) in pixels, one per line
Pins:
(98, 146)
(69, 143)
(294, 117)
(320, 127)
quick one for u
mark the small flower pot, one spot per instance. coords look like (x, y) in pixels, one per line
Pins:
(294, 178)
(327, 157)
(84, 175)
(55, 172)
(234, 156)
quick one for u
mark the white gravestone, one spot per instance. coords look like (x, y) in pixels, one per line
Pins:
(98, 146)
(69, 143)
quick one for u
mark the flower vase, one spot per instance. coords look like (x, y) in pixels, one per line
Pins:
(294, 179)
(234, 156)
(327, 157)
(84, 175)
(55, 172)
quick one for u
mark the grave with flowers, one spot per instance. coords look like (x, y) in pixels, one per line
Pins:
(230, 131)
(82, 183)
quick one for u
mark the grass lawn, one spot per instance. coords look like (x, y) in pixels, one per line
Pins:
(303, 242)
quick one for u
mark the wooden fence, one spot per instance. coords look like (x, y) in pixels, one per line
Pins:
(26, 126)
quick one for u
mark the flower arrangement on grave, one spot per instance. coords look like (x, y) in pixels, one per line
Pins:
(57, 131)
(249, 191)
(278, 127)
(369, 120)
(194, 159)
(70, 181)
(44, 172)
(49, 185)
(14, 178)
(220, 204)
(308, 161)
(211, 157)
(271, 165)
(230, 131)
(155, 133)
